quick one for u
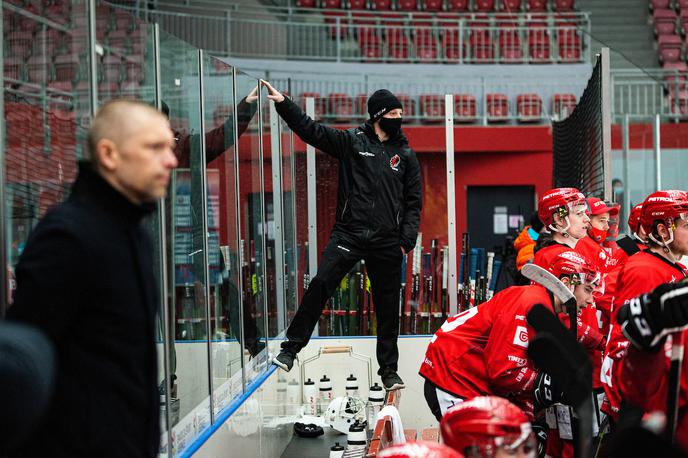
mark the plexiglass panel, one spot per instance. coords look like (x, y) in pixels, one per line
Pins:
(188, 259)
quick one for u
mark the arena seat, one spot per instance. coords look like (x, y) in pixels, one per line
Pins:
(331, 18)
(563, 104)
(511, 6)
(659, 4)
(529, 107)
(61, 86)
(450, 45)
(425, 45)
(409, 106)
(675, 81)
(67, 67)
(46, 41)
(382, 5)
(319, 103)
(133, 67)
(682, 4)
(118, 39)
(563, 5)
(537, 6)
(510, 45)
(38, 70)
(457, 5)
(679, 103)
(538, 43)
(665, 21)
(431, 108)
(331, 4)
(465, 108)
(669, 48)
(341, 107)
(397, 45)
(370, 43)
(362, 106)
(111, 68)
(358, 4)
(431, 5)
(497, 107)
(408, 5)
(14, 68)
(19, 43)
(485, 6)
(683, 20)
(306, 3)
(570, 44)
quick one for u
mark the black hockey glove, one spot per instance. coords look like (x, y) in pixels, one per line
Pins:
(540, 430)
(547, 391)
(648, 319)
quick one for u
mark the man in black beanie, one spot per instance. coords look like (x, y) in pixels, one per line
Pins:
(378, 213)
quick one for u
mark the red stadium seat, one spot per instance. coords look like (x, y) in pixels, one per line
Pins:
(358, 4)
(38, 70)
(486, 6)
(537, 6)
(563, 105)
(46, 41)
(497, 107)
(511, 6)
(19, 43)
(431, 108)
(679, 103)
(305, 3)
(118, 39)
(669, 48)
(481, 46)
(510, 45)
(659, 4)
(682, 4)
(332, 4)
(408, 5)
(457, 5)
(370, 43)
(397, 45)
(341, 107)
(409, 107)
(451, 45)
(364, 18)
(570, 44)
(563, 5)
(133, 67)
(465, 108)
(425, 45)
(422, 21)
(431, 5)
(362, 106)
(111, 66)
(538, 43)
(683, 20)
(108, 89)
(665, 21)
(14, 68)
(67, 67)
(529, 107)
(382, 5)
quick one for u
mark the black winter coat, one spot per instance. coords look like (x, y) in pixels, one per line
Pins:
(86, 279)
(380, 190)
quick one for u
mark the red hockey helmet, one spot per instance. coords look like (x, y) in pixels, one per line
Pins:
(634, 218)
(580, 269)
(482, 425)
(558, 200)
(420, 450)
(665, 207)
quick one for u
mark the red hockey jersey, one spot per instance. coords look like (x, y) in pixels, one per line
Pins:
(641, 274)
(483, 350)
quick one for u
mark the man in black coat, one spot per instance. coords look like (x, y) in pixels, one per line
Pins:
(86, 280)
(378, 213)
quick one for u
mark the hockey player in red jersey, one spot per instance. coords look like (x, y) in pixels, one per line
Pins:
(647, 320)
(664, 220)
(563, 211)
(483, 351)
(488, 427)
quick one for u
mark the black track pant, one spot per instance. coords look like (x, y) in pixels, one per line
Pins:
(384, 270)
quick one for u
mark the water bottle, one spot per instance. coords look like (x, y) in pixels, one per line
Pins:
(352, 386)
(326, 395)
(310, 397)
(281, 394)
(376, 399)
(293, 393)
(357, 439)
(336, 451)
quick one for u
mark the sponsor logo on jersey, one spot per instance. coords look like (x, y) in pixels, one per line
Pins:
(428, 362)
(521, 337)
(394, 162)
(520, 317)
(366, 153)
(520, 361)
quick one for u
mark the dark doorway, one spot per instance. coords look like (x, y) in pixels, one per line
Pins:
(495, 212)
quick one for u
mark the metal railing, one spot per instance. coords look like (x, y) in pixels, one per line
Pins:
(645, 93)
(365, 36)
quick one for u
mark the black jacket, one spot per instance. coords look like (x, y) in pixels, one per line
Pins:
(86, 279)
(380, 190)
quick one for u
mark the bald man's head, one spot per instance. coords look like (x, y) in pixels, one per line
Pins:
(131, 147)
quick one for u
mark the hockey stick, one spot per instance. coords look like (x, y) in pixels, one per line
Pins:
(674, 389)
(545, 278)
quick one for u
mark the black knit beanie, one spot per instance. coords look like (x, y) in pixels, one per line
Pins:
(381, 102)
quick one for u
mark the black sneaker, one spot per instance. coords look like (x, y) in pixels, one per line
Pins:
(391, 380)
(285, 360)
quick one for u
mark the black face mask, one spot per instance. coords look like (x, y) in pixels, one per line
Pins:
(390, 126)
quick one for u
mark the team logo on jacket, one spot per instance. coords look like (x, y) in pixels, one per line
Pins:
(521, 336)
(394, 162)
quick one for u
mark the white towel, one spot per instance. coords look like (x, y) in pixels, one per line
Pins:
(397, 428)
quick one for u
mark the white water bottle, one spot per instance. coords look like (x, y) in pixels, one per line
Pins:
(326, 395)
(293, 393)
(352, 386)
(357, 439)
(336, 451)
(376, 398)
(310, 397)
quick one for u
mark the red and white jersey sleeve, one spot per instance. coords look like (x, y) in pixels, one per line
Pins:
(544, 257)
(483, 350)
(642, 273)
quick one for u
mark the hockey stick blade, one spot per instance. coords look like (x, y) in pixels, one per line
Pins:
(545, 278)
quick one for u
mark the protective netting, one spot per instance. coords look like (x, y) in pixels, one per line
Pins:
(578, 142)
